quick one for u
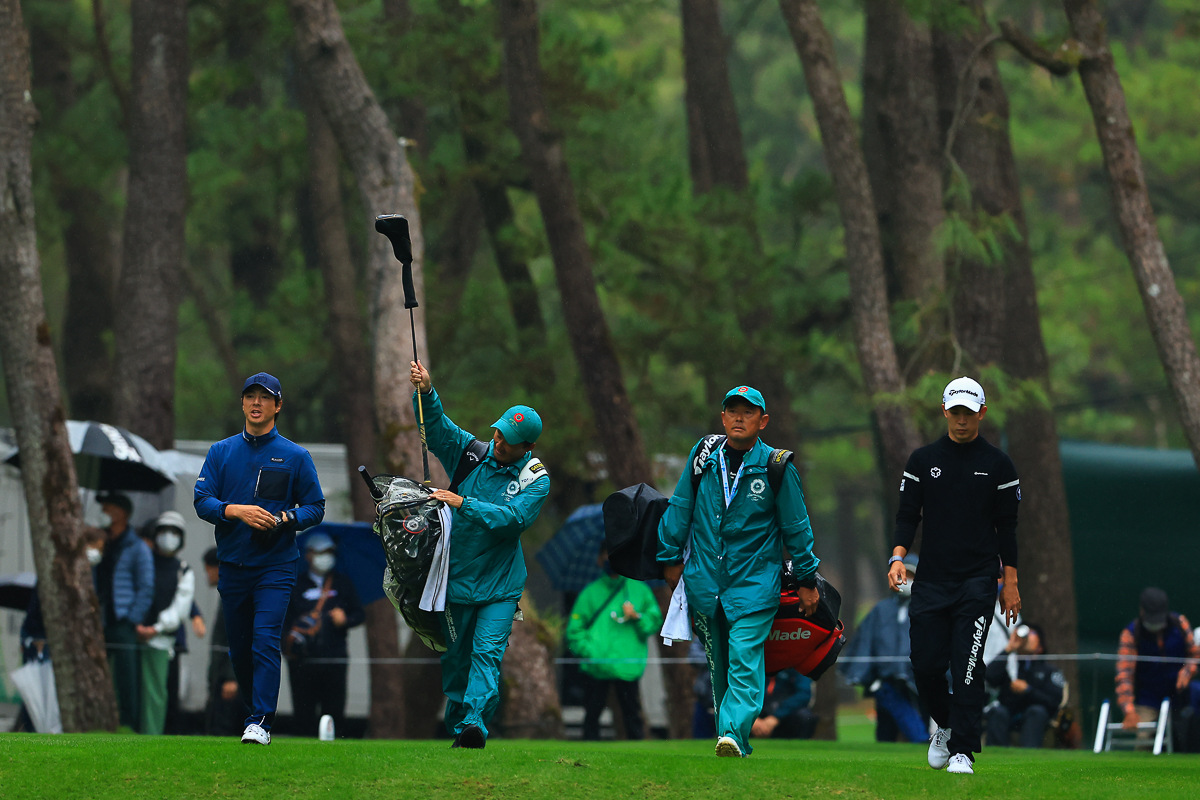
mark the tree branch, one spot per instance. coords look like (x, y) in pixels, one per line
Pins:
(1054, 62)
(106, 62)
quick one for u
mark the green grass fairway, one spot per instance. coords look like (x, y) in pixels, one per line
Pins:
(105, 766)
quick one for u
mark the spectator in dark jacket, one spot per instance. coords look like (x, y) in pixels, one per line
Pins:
(883, 634)
(785, 713)
(125, 584)
(1028, 700)
(323, 609)
(226, 710)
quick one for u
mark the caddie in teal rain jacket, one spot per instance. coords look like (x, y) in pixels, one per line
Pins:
(731, 534)
(492, 507)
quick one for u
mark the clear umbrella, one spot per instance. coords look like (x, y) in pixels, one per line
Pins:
(35, 683)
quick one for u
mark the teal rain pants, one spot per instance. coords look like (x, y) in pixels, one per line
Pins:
(476, 638)
(737, 664)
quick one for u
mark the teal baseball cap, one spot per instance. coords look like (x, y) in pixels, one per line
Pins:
(519, 425)
(747, 393)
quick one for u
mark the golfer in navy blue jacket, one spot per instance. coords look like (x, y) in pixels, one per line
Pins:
(258, 489)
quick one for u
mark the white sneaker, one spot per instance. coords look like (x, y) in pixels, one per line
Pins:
(728, 748)
(960, 765)
(939, 753)
(255, 734)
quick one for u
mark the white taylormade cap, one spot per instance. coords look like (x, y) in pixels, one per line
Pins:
(963, 392)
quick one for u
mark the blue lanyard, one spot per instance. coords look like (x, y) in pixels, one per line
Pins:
(729, 493)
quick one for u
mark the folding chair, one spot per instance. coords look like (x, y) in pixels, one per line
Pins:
(1114, 736)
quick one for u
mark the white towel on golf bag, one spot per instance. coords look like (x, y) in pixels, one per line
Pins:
(677, 627)
(434, 596)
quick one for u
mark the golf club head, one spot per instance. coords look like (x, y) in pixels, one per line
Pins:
(395, 228)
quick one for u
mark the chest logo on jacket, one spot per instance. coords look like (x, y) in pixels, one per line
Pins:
(756, 488)
(513, 488)
(935, 472)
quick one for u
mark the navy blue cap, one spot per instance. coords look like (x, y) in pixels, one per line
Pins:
(266, 381)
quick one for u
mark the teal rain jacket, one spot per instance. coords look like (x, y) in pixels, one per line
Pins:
(486, 562)
(737, 554)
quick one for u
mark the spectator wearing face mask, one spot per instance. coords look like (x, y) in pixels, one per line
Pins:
(324, 607)
(883, 634)
(174, 590)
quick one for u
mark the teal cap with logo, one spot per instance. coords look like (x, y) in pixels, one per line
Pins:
(519, 425)
(747, 393)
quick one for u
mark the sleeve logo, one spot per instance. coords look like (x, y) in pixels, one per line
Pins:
(935, 472)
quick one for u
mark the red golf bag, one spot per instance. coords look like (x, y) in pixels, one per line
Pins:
(809, 645)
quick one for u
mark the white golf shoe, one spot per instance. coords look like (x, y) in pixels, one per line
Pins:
(256, 734)
(960, 765)
(939, 752)
(728, 748)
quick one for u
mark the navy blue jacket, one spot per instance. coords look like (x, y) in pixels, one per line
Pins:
(882, 633)
(125, 579)
(267, 471)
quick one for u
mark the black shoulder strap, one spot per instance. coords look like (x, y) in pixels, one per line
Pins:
(471, 458)
(708, 446)
(776, 465)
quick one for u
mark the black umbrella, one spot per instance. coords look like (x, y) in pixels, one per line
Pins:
(16, 590)
(111, 459)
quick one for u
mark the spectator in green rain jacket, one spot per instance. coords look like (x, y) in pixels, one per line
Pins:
(496, 502)
(610, 622)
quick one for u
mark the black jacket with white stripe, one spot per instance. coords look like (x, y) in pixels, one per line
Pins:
(968, 496)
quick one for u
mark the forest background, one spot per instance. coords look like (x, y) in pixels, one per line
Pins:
(703, 287)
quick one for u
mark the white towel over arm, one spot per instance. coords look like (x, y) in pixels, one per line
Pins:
(434, 596)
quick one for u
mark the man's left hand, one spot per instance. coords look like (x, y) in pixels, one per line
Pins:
(146, 632)
(338, 617)
(1010, 598)
(1182, 680)
(198, 627)
(809, 598)
(447, 497)
(1019, 686)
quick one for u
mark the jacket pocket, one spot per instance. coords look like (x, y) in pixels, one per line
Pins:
(272, 484)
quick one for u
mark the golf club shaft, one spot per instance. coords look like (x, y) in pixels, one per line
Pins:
(420, 407)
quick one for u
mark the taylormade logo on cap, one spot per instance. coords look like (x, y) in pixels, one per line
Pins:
(964, 391)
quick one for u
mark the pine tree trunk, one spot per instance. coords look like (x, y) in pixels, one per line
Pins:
(87, 240)
(388, 186)
(148, 293)
(864, 259)
(716, 155)
(1139, 229)
(1012, 337)
(351, 357)
(531, 709)
(541, 148)
(69, 605)
(904, 162)
(679, 679)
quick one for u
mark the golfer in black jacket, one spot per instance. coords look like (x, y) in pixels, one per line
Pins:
(967, 492)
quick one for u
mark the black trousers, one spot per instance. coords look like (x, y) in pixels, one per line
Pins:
(948, 625)
(313, 686)
(595, 698)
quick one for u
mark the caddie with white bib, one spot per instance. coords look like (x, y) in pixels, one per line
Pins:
(721, 541)
(497, 489)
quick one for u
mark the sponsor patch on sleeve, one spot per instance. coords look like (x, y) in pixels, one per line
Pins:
(537, 468)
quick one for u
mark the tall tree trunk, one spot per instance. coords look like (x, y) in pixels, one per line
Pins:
(904, 163)
(864, 255)
(679, 679)
(848, 495)
(531, 706)
(422, 687)
(351, 356)
(1007, 291)
(148, 292)
(716, 155)
(88, 245)
(587, 329)
(1139, 229)
(387, 185)
(69, 605)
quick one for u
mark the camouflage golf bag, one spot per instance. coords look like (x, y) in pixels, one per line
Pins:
(408, 524)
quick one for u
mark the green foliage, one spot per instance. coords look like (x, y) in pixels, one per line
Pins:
(693, 288)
